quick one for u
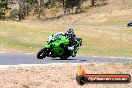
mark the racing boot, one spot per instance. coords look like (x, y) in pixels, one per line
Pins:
(71, 48)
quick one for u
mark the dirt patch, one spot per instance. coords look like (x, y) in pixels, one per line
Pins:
(59, 76)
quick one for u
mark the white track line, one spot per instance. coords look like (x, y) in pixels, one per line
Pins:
(32, 65)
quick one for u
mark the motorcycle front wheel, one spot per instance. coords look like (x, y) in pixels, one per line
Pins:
(42, 53)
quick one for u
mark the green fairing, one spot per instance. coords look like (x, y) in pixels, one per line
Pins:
(58, 51)
(54, 49)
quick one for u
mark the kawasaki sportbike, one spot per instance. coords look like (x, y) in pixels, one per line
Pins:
(57, 46)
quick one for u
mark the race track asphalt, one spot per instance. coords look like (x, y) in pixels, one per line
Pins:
(23, 58)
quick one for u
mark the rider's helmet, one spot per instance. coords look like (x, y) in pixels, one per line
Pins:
(70, 32)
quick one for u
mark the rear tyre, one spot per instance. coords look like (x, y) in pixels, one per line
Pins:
(42, 53)
(66, 53)
(64, 57)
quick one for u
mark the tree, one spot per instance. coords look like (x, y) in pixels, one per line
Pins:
(93, 2)
(101, 2)
(25, 7)
(3, 8)
(70, 4)
(39, 8)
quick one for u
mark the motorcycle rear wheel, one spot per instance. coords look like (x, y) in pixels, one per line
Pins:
(65, 56)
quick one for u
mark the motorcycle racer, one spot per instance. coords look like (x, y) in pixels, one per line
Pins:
(61, 45)
(72, 37)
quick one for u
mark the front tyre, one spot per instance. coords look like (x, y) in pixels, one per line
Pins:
(42, 53)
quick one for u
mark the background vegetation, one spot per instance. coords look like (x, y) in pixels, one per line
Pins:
(103, 28)
(23, 9)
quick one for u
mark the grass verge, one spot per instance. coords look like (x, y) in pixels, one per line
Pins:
(99, 41)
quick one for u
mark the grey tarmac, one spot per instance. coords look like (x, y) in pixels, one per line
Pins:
(24, 58)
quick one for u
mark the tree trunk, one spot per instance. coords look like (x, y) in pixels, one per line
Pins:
(19, 16)
(63, 6)
(51, 2)
(92, 2)
(39, 8)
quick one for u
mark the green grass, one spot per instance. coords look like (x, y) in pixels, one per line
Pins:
(24, 36)
(30, 37)
(110, 41)
(19, 36)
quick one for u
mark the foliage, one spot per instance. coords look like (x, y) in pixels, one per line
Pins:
(52, 5)
(14, 14)
(70, 4)
(25, 7)
(36, 7)
(3, 8)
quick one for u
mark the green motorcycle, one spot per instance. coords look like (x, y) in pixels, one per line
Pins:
(57, 47)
